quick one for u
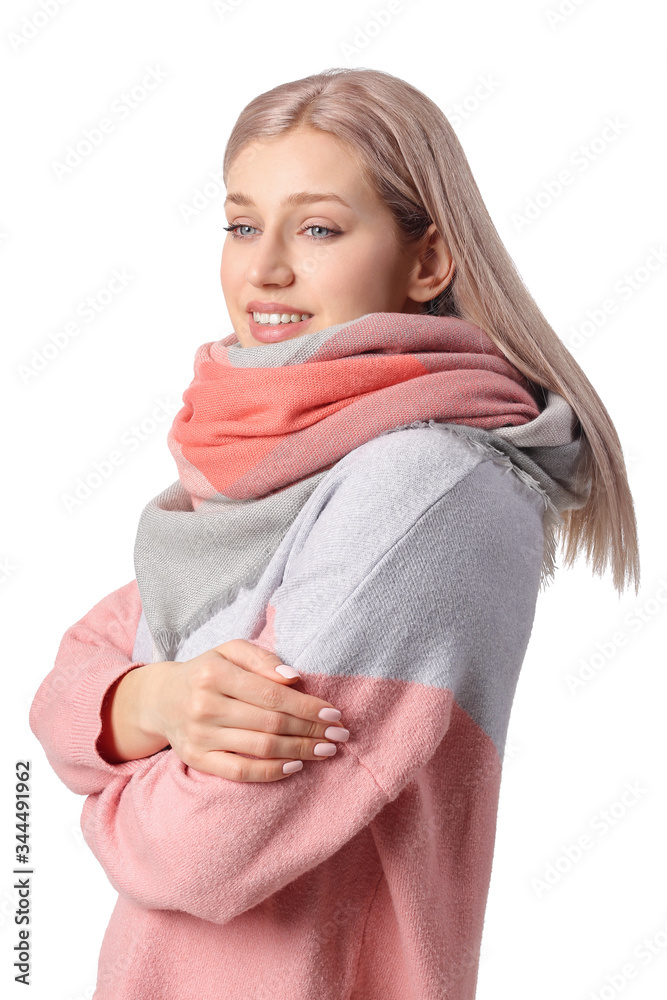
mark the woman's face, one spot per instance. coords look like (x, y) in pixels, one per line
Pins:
(312, 238)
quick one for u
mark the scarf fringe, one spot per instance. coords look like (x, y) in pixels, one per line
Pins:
(167, 641)
(552, 519)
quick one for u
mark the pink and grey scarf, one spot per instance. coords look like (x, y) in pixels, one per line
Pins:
(260, 427)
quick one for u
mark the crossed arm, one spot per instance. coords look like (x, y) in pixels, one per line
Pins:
(172, 837)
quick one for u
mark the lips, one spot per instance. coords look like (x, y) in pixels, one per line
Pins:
(274, 307)
(269, 334)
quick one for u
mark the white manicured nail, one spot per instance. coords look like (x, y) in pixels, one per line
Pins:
(286, 671)
(329, 714)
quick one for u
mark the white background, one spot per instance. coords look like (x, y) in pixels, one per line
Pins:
(556, 79)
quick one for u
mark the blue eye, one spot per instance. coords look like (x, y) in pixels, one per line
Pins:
(242, 225)
(235, 226)
(336, 232)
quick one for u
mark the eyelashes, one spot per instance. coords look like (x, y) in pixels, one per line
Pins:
(316, 239)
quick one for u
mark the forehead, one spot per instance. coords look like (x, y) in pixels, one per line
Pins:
(289, 169)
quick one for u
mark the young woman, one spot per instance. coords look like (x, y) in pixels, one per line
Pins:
(374, 468)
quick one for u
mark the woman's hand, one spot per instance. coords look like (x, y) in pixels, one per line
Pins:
(229, 701)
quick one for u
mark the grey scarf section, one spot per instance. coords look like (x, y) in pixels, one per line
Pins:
(191, 564)
(550, 455)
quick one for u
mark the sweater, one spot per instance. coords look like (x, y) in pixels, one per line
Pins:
(404, 593)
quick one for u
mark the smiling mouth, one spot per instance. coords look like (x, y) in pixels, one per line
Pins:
(279, 319)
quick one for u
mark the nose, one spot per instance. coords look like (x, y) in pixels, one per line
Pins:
(268, 264)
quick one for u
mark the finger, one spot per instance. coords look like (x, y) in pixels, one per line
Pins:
(272, 746)
(235, 767)
(238, 714)
(250, 682)
(249, 655)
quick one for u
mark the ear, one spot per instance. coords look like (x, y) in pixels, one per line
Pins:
(433, 267)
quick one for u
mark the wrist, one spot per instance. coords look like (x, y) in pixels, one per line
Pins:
(145, 696)
(127, 729)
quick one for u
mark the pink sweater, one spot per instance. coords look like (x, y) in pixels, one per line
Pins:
(404, 593)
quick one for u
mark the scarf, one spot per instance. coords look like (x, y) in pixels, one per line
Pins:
(260, 427)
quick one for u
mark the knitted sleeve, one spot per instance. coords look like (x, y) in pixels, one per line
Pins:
(65, 711)
(443, 617)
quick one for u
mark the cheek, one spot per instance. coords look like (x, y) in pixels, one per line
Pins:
(229, 270)
(374, 267)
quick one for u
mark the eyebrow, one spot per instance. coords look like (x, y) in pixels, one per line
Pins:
(298, 198)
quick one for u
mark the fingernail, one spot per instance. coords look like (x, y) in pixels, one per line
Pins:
(285, 671)
(337, 733)
(324, 749)
(329, 714)
(291, 766)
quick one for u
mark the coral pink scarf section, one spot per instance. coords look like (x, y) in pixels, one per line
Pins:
(258, 419)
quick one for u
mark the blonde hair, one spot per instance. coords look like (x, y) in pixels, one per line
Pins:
(409, 152)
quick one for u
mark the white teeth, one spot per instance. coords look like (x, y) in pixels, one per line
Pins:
(272, 319)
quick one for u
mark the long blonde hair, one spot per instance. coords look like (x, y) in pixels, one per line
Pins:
(410, 154)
